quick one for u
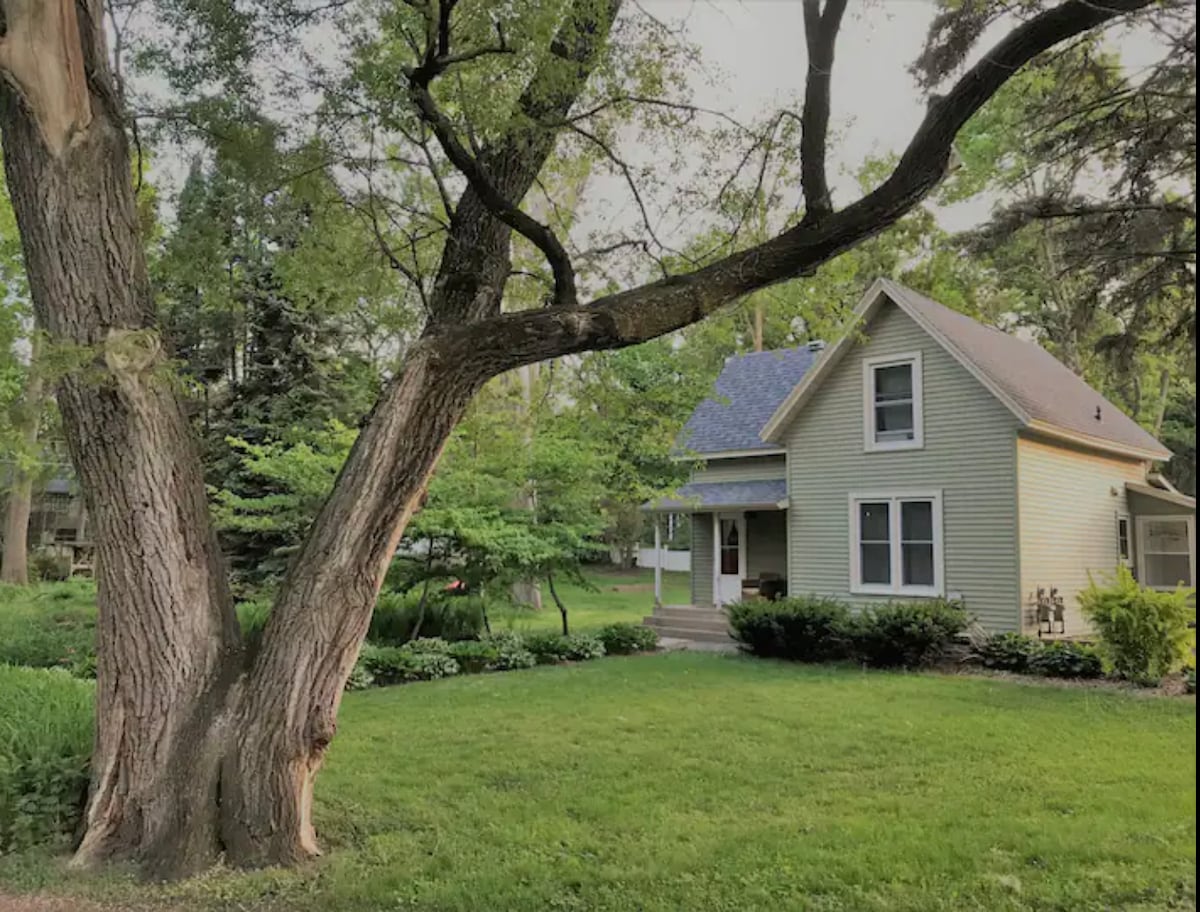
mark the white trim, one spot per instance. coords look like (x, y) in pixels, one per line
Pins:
(1122, 516)
(1171, 497)
(739, 519)
(1141, 522)
(894, 499)
(870, 366)
(728, 454)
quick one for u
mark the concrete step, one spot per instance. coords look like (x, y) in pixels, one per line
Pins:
(715, 623)
(687, 632)
(689, 612)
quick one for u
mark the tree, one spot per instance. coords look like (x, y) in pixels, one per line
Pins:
(199, 752)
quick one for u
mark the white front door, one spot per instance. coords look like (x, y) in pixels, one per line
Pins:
(731, 557)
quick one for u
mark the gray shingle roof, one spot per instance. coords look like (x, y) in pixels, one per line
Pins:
(717, 494)
(748, 391)
(1045, 388)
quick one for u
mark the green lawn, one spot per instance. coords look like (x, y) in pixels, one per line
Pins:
(617, 596)
(703, 782)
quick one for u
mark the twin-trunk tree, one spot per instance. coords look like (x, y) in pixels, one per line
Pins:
(201, 749)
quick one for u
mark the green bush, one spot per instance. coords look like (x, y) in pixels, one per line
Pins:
(45, 741)
(1189, 681)
(449, 617)
(1143, 632)
(511, 653)
(49, 625)
(624, 639)
(1008, 652)
(474, 656)
(252, 617)
(421, 660)
(1066, 660)
(549, 648)
(802, 628)
(906, 634)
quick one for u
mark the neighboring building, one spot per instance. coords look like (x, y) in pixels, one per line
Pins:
(924, 455)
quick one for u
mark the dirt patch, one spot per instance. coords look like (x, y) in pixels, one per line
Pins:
(1173, 686)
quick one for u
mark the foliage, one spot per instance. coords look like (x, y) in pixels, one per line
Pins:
(511, 654)
(549, 648)
(1029, 655)
(399, 617)
(50, 625)
(474, 656)
(421, 660)
(252, 618)
(45, 741)
(1008, 651)
(625, 639)
(1067, 660)
(907, 634)
(1143, 632)
(1190, 681)
(801, 628)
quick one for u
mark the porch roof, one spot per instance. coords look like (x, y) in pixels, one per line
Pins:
(697, 497)
(1180, 503)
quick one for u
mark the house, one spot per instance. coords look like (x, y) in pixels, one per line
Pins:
(924, 455)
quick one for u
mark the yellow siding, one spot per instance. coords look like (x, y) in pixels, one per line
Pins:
(1068, 502)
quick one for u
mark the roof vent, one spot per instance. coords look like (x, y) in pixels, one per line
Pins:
(816, 345)
(1098, 418)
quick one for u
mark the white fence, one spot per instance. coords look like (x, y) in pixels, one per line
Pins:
(680, 561)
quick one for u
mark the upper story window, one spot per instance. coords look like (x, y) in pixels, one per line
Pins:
(893, 416)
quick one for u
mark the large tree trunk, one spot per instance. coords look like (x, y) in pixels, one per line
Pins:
(14, 565)
(167, 636)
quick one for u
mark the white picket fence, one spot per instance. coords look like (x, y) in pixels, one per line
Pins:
(680, 561)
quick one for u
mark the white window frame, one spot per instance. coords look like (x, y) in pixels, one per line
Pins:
(1142, 536)
(870, 366)
(896, 587)
(1127, 559)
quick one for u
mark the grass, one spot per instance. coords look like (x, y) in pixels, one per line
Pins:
(693, 781)
(617, 596)
(47, 625)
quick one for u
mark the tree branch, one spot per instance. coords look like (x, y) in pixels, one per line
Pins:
(820, 31)
(652, 310)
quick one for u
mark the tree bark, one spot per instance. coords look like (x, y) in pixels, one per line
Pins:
(562, 609)
(14, 565)
(167, 635)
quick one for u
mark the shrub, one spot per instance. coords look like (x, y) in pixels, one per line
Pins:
(511, 653)
(421, 660)
(252, 616)
(1189, 681)
(449, 617)
(50, 625)
(1143, 632)
(549, 648)
(1008, 652)
(45, 741)
(1066, 660)
(474, 656)
(624, 639)
(803, 628)
(906, 634)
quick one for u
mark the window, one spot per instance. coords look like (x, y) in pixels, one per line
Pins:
(1166, 555)
(896, 544)
(1124, 553)
(892, 403)
(730, 550)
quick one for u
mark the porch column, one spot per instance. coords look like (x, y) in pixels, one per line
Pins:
(658, 560)
(716, 580)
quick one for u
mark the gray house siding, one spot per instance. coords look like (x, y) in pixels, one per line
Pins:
(753, 468)
(969, 455)
(702, 558)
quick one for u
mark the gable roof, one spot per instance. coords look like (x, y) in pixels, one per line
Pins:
(1043, 393)
(748, 391)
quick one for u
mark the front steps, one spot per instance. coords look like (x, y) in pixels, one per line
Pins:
(699, 624)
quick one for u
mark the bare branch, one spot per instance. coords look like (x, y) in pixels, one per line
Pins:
(820, 30)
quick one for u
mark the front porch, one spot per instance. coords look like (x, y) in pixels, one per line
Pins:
(739, 550)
